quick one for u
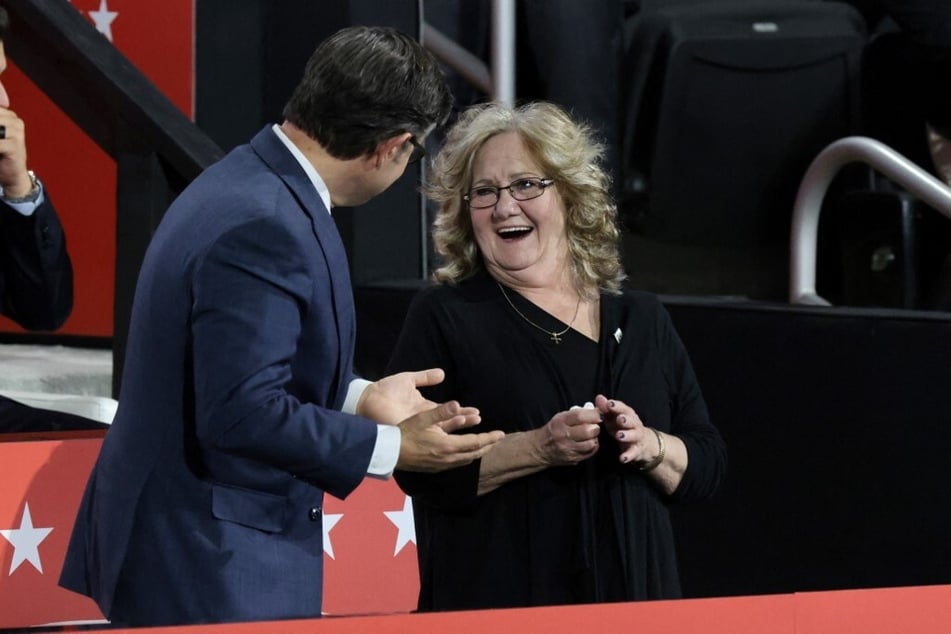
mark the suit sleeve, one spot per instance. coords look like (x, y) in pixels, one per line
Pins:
(252, 293)
(36, 274)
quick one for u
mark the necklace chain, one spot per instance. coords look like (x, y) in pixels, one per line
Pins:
(554, 336)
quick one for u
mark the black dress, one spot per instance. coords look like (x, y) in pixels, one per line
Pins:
(597, 531)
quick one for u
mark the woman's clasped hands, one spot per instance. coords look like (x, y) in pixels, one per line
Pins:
(571, 436)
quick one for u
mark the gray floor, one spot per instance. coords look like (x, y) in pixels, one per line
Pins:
(55, 369)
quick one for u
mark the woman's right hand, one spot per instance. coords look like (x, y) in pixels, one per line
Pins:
(570, 437)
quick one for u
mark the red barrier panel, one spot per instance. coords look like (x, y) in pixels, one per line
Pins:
(370, 557)
(922, 610)
(370, 551)
(43, 482)
(369, 539)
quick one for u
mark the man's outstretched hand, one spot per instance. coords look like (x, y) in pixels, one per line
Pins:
(394, 398)
(429, 445)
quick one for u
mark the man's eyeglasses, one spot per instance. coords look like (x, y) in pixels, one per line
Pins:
(522, 189)
(419, 152)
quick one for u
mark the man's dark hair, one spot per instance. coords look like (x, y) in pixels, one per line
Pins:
(4, 23)
(364, 85)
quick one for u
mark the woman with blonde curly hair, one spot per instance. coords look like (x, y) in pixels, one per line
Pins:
(589, 381)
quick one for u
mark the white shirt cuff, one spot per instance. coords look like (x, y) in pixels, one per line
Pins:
(27, 209)
(386, 452)
(354, 392)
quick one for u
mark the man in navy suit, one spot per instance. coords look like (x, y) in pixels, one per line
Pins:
(36, 275)
(239, 407)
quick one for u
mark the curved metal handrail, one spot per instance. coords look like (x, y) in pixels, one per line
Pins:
(812, 190)
(499, 83)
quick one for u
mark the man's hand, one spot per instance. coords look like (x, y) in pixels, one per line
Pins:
(428, 444)
(14, 178)
(395, 398)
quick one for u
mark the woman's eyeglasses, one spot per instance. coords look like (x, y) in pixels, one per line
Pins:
(522, 189)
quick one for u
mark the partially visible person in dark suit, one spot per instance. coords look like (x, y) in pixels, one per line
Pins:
(239, 405)
(908, 99)
(911, 65)
(36, 275)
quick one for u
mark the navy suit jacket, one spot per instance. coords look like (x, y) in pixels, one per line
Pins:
(205, 502)
(36, 275)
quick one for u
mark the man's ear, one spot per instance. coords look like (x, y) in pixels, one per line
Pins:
(388, 149)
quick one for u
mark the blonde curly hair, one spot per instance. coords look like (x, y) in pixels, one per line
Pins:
(566, 152)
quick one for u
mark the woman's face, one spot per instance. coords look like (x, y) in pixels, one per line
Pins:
(522, 241)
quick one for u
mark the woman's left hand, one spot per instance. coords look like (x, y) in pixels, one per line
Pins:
(638, 443)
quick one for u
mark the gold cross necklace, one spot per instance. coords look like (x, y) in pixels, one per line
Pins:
(554, 336)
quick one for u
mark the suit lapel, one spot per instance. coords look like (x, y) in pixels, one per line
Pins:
(273, 152)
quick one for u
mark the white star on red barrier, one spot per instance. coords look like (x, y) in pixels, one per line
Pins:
(404, 522)
(26, 541)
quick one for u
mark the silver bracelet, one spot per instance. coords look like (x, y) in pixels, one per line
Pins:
(660, 454)
(30, 196)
